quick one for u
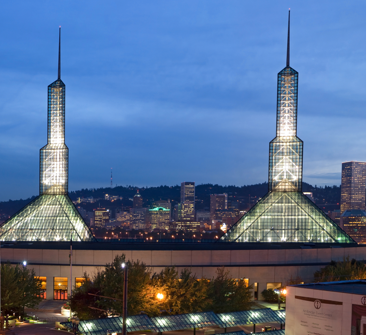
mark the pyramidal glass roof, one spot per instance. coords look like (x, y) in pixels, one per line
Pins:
(46, 218)
(286, 217)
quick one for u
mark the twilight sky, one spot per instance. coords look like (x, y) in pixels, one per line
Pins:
(171, 91)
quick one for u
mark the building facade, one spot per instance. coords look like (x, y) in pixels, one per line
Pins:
(101, 217)
(186, 208)
(353, 188)
(217, 202)
(137, 200)
(159, 218)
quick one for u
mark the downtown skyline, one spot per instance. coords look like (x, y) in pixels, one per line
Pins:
(178, 93)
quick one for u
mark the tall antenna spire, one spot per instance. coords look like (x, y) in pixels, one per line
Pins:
(59, 70)
(288, 41)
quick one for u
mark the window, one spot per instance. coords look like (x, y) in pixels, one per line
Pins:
(60, 288)
(273, 286)
(79, 282)
(43, 281)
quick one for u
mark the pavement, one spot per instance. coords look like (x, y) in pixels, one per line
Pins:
(48, 310)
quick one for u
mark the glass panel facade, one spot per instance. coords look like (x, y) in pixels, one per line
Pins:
(60, 288)
(54, 157)
(46, 218)
(286, 217)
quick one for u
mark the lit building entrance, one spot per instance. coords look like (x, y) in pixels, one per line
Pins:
(60, 288)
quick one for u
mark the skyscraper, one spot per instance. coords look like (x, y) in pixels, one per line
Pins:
(353, 189)
(138, 200)
(217, 202)
(285, 214)
(353, 200)
(51, 216)
(187, 206)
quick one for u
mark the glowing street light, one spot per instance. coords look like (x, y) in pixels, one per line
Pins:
(24, 263)
(160, 296)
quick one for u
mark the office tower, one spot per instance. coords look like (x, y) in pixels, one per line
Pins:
(51, 216)
(186, 209)
(138, 218)
(165, 204)
(101, 217)
(217, 202)
(353, 189)
(285, 214)
(353, 200)
(138, 200)
(353, 221)
(159, 218)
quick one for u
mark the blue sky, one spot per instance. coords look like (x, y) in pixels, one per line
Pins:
(170, 91)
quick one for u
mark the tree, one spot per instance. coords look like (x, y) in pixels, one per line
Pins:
(19, 288)
(342, 270)
(269, 295)
(109, 283)
(181, 294)
(228, 295)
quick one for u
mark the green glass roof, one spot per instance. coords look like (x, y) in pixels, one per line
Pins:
(46, 218)
(156, 209)
(249, 317)
(286, 217)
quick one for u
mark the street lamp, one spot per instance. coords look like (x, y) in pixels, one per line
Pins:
(279, 292)
(24, 263)
(124, 302)
(75, 322)
(160, 296)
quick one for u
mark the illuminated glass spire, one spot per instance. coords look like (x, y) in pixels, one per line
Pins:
(51, 216)
(54, 157)
(284, 214)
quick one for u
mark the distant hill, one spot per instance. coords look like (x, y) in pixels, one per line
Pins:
(328, 198)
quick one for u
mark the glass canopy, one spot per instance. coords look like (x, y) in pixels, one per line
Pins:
(242, 318)
(46, 218)
(186, 321)
(113, 325)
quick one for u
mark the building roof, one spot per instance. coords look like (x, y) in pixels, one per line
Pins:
(353, 212)
(171, 245)
(345, 286)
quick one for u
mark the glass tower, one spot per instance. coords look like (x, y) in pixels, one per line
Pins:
(284, 214)
(51, 216)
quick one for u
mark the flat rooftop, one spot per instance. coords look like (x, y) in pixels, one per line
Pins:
(179, 245)
(346, 286)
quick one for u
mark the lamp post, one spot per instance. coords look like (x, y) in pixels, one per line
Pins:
(279, 292)
(124, 302)
(75, 322)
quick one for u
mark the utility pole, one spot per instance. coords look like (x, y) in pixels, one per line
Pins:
(124, 303)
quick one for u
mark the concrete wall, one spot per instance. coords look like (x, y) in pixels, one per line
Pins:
(261, 266)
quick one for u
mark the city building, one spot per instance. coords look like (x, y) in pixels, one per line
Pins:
(165, 204)
(159, 218)
(335, 216)
(186, 208)
(101, 217)
(137, 200)
(326, 308)
(285, 214)
(139, 218)
(51, 216)
(353, 189)
(354, 224)
(217, 202)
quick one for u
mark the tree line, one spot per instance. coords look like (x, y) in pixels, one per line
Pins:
(164, 293)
